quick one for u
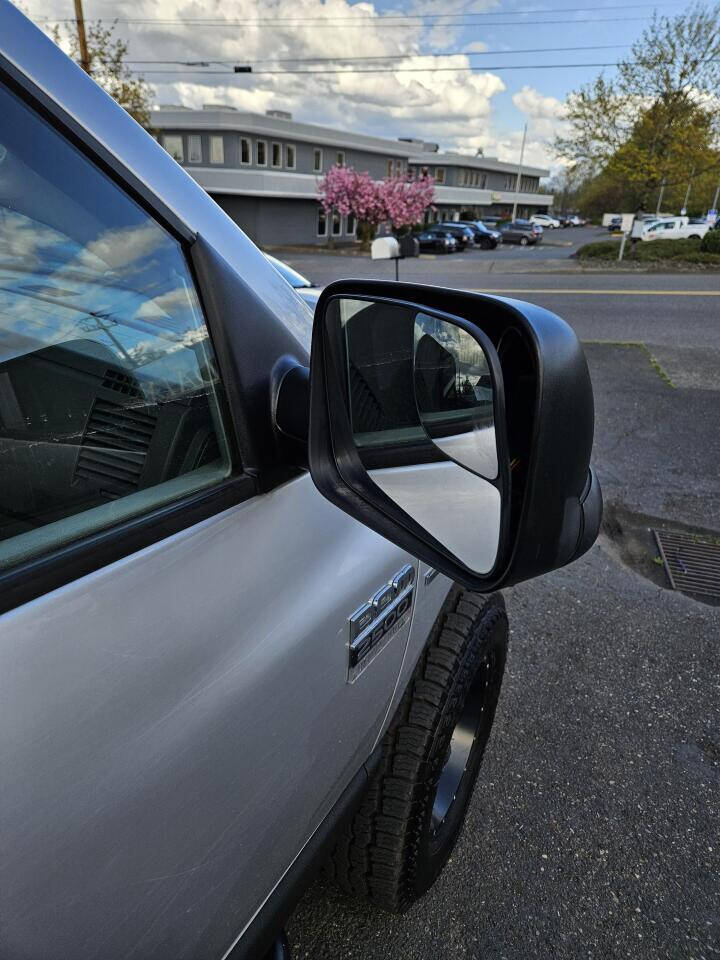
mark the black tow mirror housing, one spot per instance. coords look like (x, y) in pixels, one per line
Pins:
(457, 425)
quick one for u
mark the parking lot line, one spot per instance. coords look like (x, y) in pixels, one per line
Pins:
(609, 293)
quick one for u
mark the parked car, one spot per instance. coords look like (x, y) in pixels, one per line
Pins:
(535, 227)
(519, 231)
(489, 228)
(481, 236)
(304, 288)
(492, 222)
(463, 235)
(675, 228)
(545, 220)
(249, 612)
(615, 225)
(439, 241)
(575, 221)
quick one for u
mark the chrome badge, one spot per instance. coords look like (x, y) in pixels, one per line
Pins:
(377, 621)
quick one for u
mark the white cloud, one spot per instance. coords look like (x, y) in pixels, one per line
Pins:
(451, 106)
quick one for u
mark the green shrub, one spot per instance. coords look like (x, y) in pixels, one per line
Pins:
(604, 250)
(664, 249)
(709, 259)
(710, 243)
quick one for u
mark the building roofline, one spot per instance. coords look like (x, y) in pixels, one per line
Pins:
(270, 126)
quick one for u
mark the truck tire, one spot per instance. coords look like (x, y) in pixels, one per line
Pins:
(409, 820)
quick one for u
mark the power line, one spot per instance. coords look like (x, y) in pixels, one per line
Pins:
(387, 19)
(392, 56)
(380, 22)
(312, 73)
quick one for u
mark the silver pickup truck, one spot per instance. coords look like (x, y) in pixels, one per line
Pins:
(249, 559)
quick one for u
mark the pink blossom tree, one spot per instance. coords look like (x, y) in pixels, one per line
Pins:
(405, 201)
(400, 200)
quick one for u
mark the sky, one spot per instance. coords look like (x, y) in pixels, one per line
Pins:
(423, 89)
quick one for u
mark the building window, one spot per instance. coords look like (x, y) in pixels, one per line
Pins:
(322, 223)
(217, 150)
(173, 143)
(399, 168)
(276, 155)
(483, 180)
(261, 153)
(317, 160)
(194, 149)
(245, 151)
(389, 168)
(440, 174)
(336, 225)
(425, 172)
(290, 156)
(340, 158)
(350, 225)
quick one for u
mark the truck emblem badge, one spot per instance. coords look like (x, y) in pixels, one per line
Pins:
(376, 622)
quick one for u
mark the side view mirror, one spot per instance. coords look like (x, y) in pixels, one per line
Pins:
(457, 425)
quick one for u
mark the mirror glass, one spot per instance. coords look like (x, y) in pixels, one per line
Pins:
(421, 408)
(454, 393)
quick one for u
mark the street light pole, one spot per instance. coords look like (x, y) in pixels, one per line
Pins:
(662, 191)
(687, 192)
(517, 182)
(715, 201)
(82, 39)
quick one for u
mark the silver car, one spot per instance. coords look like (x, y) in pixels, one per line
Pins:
(249, 615)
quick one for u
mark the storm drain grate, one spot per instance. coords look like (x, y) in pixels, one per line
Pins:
(692, 564)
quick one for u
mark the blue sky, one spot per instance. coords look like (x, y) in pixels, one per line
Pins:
(460, 110)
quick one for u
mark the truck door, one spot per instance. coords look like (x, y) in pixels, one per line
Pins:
(178, 710)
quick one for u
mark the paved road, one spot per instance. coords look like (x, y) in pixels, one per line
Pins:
(594, 828)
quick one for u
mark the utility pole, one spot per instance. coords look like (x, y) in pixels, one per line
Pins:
(662, 191)
(82, 39)
(517, 182)
(715, 201)
(687, 192)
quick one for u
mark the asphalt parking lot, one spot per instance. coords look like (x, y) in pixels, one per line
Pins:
(594, 828)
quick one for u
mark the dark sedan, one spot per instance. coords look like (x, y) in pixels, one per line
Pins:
(463, 235)
(482, 237)
(518, 232)
(439, 241)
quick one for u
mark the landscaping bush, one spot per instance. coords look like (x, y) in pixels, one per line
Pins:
(604, 250)
(710, 243)
(685, 251)
(663, 249)
(704, 258)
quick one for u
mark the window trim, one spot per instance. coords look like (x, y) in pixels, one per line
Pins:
(317, 152)
(248, 162)
(39, 576)
(257, 153)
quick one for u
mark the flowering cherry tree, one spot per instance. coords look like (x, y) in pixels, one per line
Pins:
(401, 201)
(405, 201)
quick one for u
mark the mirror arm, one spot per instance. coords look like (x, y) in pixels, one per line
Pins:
(290, 400)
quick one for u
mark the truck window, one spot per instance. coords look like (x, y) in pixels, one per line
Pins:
(110, 397)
